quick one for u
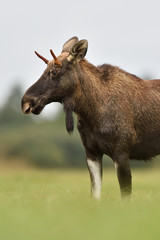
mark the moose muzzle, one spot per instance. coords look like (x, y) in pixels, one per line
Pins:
(31, 105)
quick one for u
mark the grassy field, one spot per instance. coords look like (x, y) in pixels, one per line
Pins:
(57, 205)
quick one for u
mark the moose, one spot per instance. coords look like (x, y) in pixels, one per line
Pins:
(118, 113)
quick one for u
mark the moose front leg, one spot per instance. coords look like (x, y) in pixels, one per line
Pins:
(121, 162)
(95, 170)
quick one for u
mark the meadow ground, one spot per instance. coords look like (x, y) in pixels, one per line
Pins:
(56, 204)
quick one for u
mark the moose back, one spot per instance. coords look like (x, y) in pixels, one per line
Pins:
(118, 113)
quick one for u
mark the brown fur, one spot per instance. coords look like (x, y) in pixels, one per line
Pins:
(121, 106)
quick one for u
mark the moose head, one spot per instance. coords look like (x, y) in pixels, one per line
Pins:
(58, 81)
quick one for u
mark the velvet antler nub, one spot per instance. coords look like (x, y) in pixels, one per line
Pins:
(41, 57)
(57, 62)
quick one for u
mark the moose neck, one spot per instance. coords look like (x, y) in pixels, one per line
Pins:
(87, 97)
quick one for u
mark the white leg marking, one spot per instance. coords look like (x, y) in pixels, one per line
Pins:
(115, 165)
(96, 178)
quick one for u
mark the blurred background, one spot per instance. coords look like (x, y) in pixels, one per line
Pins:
(125, 33)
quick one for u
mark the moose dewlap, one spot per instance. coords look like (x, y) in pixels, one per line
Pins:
(118, 113)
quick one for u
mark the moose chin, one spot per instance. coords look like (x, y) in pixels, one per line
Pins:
(118, 113)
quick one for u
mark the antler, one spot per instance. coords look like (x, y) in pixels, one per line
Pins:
(57, 62)
(44, 59)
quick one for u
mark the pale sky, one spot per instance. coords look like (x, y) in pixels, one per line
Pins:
(125, 33)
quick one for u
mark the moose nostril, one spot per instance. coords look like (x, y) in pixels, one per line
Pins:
(26, 108)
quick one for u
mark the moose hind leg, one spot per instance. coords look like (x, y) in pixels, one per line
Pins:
(121, 162)
(95, 170)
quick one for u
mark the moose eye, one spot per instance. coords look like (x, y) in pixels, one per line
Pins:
(53, 73)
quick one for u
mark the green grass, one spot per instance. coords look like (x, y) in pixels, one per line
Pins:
(57, 205)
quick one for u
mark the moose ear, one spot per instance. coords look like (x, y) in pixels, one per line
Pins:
(69, 44)
(78, 51)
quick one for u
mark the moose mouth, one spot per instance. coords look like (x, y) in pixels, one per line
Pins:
(37, 110)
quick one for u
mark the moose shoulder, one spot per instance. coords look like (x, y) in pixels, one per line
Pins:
(118, 113)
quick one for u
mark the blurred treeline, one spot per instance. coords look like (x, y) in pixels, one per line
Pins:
(38, 141)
